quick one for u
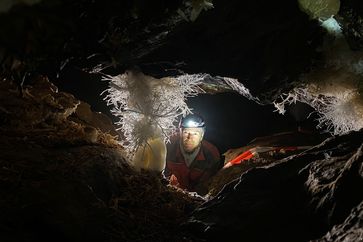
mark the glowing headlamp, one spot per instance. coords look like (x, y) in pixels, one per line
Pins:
(192, 121)
(191, 124)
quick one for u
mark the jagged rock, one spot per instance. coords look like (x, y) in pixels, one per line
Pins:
(335, 183)
(157, 37)
(284, 142)
(34, 106)
(350, 230)
(296, 199)
(350, 18)
(84, 114)
(67, 181)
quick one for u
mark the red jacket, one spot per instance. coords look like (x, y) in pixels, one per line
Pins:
(205, 165)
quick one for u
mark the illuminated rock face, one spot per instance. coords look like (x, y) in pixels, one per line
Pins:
(61, 174)
(350, 230)
(322, 9)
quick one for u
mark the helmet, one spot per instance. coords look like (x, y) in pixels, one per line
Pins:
(192, 121)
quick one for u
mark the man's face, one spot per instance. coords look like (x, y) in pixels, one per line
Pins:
(191, 138)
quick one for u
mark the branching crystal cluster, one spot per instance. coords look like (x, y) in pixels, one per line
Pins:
(148, 107)
(338, 113)
(240, 88)
(334, 91)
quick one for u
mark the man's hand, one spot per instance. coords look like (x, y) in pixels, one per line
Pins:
(173, 180)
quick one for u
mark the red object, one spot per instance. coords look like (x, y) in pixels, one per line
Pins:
(252, 152)
(244, 156)
(174, 181)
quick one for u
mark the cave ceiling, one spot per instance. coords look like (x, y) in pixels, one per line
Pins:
(264, 44)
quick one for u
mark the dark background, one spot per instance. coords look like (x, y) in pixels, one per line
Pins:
(232, 120)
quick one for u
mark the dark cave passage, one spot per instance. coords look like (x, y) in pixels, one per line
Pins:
(233, 121)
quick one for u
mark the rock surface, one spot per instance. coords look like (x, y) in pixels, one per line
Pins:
(350, 230)
(299, 198)
(67, 181)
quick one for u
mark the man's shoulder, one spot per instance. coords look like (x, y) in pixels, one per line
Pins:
(209, 146)
(210, 149)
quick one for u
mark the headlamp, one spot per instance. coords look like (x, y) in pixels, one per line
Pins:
(191, 124)
(192, 121)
